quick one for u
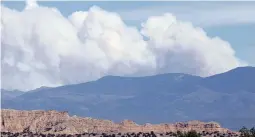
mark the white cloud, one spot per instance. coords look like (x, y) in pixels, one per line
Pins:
(40, 47)
(181, 47)
(77, 18)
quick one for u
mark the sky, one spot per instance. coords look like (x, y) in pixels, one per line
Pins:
(58, 43)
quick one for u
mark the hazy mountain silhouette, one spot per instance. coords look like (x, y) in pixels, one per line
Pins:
(6, 94)
(228, 98)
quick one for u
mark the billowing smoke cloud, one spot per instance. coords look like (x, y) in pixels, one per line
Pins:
(180, 47)
(41, 47)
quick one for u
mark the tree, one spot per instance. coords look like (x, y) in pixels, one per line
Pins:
(252, 130)
(180, 134)
(245, 132)
(192, 133)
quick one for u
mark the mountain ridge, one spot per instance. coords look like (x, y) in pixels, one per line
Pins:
(154, 99)
(126, 77)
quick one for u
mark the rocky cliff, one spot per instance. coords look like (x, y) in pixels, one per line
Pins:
(38, 121)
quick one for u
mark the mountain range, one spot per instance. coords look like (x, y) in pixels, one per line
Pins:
(228, 98)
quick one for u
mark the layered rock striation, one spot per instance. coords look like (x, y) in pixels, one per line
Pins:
(38, 121)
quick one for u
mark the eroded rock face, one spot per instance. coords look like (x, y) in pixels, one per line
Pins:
(38, 121)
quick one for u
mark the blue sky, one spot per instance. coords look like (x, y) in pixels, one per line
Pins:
(232, 21)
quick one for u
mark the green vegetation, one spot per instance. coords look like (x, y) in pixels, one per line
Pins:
(245, 132)
(188, 134)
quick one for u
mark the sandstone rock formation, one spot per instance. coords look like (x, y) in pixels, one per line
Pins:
(38, 121)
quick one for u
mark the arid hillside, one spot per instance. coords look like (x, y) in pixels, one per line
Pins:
(38, 121)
